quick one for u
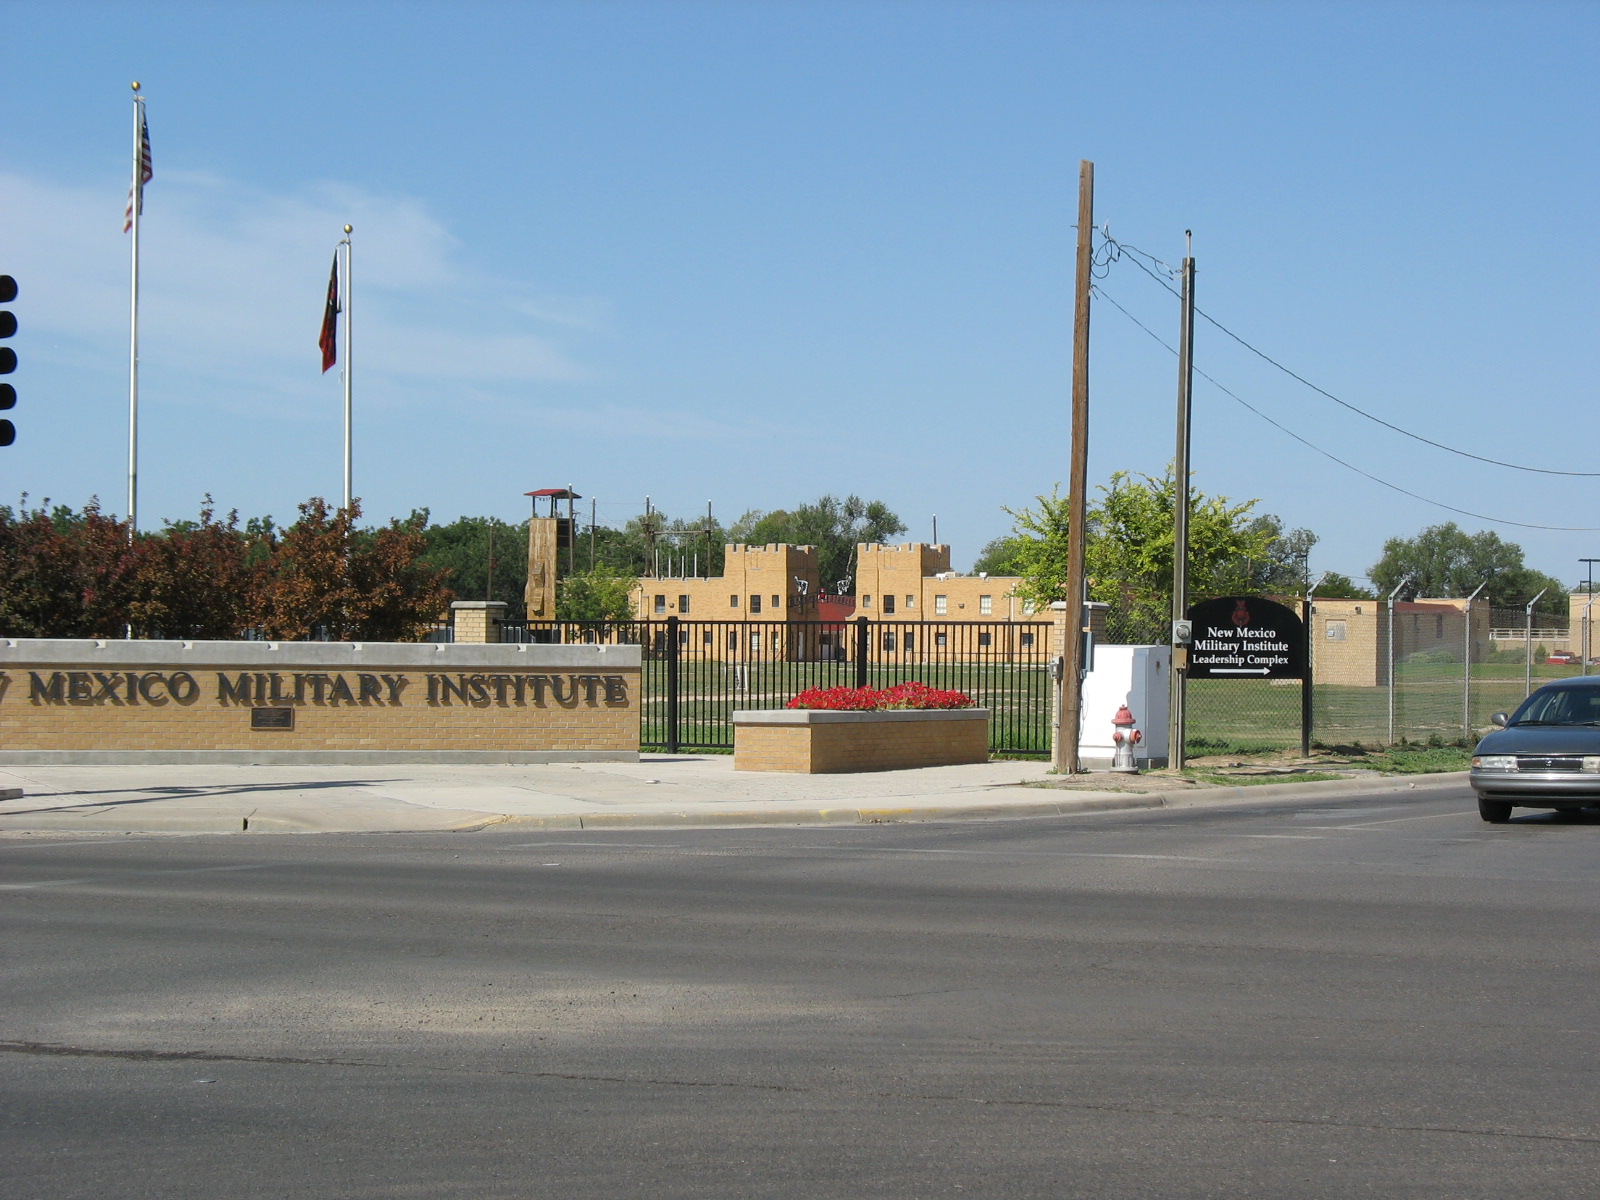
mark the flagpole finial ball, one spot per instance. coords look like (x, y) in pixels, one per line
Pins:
(349, 229)
(136, 85)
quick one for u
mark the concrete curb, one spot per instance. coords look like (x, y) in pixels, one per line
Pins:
(1051, 803)
(1084, 802)
(826, 816)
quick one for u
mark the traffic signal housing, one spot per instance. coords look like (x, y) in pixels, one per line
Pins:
(8, 358)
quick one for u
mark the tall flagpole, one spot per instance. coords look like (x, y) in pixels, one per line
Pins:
(348, 321)
(135, 203)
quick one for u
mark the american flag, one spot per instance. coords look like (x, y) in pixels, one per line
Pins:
(141, 176)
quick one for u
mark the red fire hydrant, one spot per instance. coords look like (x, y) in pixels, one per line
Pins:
(1126, 737)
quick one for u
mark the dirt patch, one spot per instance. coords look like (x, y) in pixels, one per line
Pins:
(1215, 771)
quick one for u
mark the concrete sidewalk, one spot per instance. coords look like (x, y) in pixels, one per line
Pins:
(659, 790)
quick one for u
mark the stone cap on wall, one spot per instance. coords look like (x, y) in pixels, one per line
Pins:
(259, 656)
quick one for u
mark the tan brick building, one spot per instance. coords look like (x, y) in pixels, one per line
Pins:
(758, 583)
(1350, 638)
(895, 586)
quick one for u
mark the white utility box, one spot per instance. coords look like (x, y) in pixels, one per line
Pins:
(1136, 676)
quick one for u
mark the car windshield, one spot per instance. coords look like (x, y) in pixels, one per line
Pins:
(1560, 706)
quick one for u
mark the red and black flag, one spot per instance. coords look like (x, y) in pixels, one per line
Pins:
(329, 340)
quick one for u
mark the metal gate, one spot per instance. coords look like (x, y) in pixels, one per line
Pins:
(696, 674)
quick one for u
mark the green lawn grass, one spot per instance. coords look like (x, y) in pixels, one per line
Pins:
(1224, 716)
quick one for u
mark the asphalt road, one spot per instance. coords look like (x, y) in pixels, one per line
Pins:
(1331, 998)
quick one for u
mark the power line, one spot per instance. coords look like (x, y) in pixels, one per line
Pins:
(1115, 249)
(1101, 292)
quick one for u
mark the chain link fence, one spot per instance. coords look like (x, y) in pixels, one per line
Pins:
(1425, 671)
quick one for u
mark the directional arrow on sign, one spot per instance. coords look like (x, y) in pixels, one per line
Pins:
(1239, 670)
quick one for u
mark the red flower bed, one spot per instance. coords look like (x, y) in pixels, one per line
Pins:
(868, 699)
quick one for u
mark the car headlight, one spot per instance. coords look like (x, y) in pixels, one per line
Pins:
(1499, 762)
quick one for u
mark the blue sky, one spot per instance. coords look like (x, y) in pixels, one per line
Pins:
(749, 253)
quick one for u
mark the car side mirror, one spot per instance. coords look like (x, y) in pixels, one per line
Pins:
(1501, 719)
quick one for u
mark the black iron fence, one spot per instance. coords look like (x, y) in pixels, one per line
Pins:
(696, 674)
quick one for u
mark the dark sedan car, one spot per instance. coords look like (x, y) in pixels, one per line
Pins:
(1544, 755)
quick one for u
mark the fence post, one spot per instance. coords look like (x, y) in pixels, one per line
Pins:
(1527, 644)
(1307, 684)
(1466, 665)
(863, 648)
(672, 685)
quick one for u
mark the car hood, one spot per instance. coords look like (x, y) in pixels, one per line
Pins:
(1542, 739)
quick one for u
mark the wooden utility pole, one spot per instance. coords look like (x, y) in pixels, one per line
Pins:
(1069, 712)
(1177, 696)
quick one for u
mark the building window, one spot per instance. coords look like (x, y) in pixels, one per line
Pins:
(1026, 641)
(733, 602)
(911, 601)
(911, 640)
(1337, 631)
(941, 640)
(777, 603)
(755, 605)
(707, 638)
(985, 639)
(888, 604)
(755, 643)
(866, 601)
(683, 637)
(985, 606)
(661, 604)
(1027, 608)
(733, 640)
(683, 604)
(888, 641)
(941, 605)
(661, 640)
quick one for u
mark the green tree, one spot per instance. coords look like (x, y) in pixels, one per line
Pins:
(646, 539)
(832, 525)
(464, 549)
(1444, 560)
(1334, 586)
(1000, 556)
(1128, 555)
(604, 594)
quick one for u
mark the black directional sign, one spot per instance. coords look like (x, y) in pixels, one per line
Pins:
(1246, 637)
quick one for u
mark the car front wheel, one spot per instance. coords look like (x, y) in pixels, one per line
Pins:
(1497, 812)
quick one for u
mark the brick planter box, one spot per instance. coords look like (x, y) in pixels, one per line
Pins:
(811, 741)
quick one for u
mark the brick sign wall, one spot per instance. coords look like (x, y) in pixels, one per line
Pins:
(134, 701)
